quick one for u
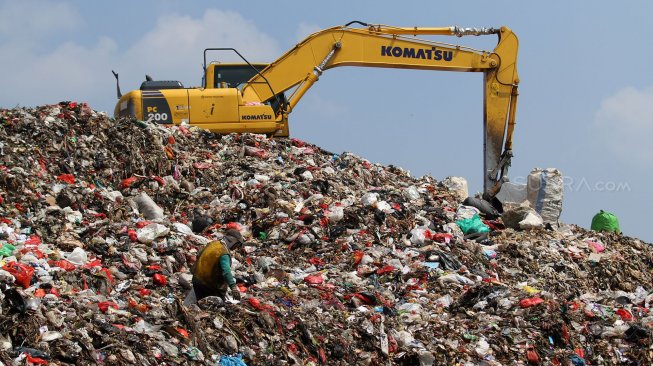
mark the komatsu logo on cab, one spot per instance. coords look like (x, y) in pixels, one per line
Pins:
(422, 53)
(255, 117)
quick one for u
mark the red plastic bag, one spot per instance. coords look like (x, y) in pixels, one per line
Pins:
(40, 293)
(314, 279)
(126, 183)
(624, 314)
(532, 301)
(94, 263)
(442, 238)
(358, 256)
(234, 225)
(297, 142)
(255, 151)
(159, 179)
(35, 360)
(67, 178)
(33, 240)
(104, 305)
(385, 269)
(256, 304)
(182, 331)
(133, 236)
(142, 224)
(316, 261)
(22, 272)
(63, 264)
(160, 279)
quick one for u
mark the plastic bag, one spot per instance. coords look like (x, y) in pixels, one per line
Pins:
(149, 208)
(370, 199)
(22, 272)
(151, 232)
(63, 264)
(411, 193)
(78, 257)
(605, 221)
(418, 235)
(531, 301)
(67, 178)
(255, 151)
(336, 214)
(458, 186)
(7, 250)
(160, 279)
(472, 225)
(314, 279)
(231, 361)
(466, 212)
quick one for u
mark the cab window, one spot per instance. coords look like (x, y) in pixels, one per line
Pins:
(234, 75)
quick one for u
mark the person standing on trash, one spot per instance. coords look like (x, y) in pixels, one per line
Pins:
(212, 269)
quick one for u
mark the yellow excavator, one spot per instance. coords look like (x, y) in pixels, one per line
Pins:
(247, 97)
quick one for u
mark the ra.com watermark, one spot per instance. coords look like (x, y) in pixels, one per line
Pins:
(571, 184)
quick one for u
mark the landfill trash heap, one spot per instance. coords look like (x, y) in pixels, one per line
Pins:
(345, 262)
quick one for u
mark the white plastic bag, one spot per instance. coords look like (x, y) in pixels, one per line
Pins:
(458, 185)
(411, 193)
(77, 257)
(149, 208)
(336, 213)
(147, 234)
(370, 199)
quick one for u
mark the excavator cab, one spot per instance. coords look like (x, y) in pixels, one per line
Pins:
(237, 76)
(234, 75)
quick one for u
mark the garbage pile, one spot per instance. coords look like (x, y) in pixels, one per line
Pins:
(346, 262)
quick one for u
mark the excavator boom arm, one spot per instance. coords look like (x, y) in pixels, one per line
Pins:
(393, 47)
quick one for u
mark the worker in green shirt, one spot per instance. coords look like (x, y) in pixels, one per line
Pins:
(212, 269)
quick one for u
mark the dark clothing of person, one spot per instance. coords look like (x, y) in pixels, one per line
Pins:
(202, 290)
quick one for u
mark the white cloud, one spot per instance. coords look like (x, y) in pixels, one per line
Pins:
(35, 18)
(171, 50)
(624, 123)
(69, 72)
(174, 48)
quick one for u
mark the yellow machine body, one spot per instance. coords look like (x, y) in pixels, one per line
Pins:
(216, 107)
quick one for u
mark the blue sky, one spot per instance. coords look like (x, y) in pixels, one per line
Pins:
(586, 92)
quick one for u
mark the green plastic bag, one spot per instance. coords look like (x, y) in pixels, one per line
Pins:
(472, 225)
(7, 250)
(605, 221)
